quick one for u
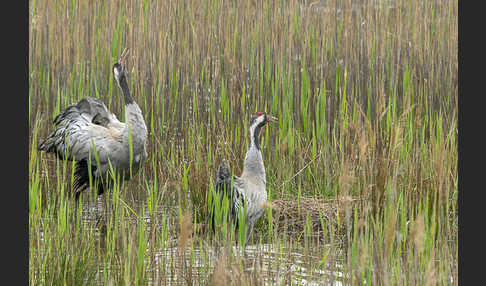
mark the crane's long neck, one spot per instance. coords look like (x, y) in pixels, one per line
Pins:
(126, 91)
(253, 160)
(133, 116)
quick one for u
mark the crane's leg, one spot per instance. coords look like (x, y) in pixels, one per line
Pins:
(76, 200)
(76, 196)
(249, 229)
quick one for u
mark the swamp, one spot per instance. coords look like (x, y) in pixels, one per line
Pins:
(361, 168)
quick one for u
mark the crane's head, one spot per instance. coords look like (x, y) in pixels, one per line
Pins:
(119, 68)
(260, 119)
(257, 121)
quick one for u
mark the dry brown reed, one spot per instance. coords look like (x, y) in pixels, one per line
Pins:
(291, 215)
(185, 231)
(417, 233)
(220, 274)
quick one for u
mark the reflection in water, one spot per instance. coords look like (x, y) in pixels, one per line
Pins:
(279, 263)
(271, 264)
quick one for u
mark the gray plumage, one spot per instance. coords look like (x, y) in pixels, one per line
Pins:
(249, 188)
(88, 127)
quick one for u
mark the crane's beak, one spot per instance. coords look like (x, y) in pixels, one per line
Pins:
(123, 58)
(272, 119)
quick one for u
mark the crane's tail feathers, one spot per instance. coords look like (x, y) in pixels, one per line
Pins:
(72, 119)
(60, 121)
(225, 187)
(53, 143)
(224, 170)
(81, 178)
(65, 122)
(81, 175)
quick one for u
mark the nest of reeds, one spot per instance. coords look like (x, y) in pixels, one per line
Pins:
(294, 216)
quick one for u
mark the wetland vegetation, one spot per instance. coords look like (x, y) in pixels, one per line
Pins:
(361, 167)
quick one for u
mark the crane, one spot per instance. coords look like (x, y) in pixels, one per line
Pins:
(89, 134)
(249, 188)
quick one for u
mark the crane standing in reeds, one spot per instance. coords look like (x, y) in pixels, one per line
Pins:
(91, 135)
(249, 188)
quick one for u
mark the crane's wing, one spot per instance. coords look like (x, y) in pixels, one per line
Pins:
(82, 130)
(97, 112)
(76, 135)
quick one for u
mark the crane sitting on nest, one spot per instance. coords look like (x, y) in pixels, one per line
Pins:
(249, 188)
(90, 134)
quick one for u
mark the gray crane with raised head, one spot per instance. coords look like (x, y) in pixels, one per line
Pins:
(88, 127)
(249, 188)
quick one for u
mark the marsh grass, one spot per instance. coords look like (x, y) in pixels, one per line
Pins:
(366, 96)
